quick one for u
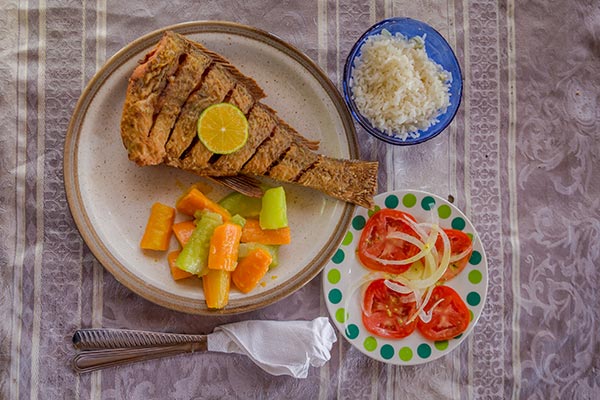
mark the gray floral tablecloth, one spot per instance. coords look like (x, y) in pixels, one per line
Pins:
(521, 159)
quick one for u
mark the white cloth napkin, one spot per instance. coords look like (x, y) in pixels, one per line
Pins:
(278, 347)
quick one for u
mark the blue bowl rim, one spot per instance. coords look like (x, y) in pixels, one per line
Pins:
(362, 120)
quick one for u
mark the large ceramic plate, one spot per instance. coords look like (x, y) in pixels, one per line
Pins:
(110, 197)
(344, 270)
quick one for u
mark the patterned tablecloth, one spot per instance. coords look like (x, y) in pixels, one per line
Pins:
(521, 159)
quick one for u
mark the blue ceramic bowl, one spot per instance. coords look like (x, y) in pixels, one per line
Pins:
(437, 49)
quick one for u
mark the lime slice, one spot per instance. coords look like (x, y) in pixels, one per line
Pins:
(223, 128)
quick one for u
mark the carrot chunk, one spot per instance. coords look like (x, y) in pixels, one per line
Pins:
(175, 271)
(251, 269)
(183, 231)
(194, 200)
(252, 232)
(224, 245)
(158, 229)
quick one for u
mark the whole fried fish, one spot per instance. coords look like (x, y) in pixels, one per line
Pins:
(178, 79)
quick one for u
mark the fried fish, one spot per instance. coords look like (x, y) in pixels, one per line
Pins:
(178, 79)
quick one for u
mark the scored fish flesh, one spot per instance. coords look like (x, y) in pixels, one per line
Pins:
(178, 79)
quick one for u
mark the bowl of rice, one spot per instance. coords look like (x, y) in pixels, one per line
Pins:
(402, 81)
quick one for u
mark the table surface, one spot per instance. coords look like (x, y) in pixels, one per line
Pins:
(521, 159)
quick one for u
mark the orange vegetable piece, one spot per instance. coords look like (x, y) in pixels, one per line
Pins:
(158, 229)
(175, 271)
(194, 200)
(183, 231)
(252, 232)
(224, 246)
(216, 284)
(251, 269)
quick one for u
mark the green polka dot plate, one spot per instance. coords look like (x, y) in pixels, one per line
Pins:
(343, 272)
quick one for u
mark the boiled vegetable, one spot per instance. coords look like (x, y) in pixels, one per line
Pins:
(176, 272)
(158, 229)
(237, 203)
(224, 244)
(238, 219)
(273, 213)
(183, 231)
(251, 269)
(239, 230)
(246, 248)
(194, 256)
(216, 284)
(252, 232)
(194, 200)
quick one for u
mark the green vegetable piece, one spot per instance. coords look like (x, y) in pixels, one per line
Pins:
(238, 219)
(245, 206)
(194, 255)
(273, 213)
(246, 248)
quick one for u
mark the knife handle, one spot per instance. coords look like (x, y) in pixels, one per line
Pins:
(95, 339)
(102, 348)
(93, 360)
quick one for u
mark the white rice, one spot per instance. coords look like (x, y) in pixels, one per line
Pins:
(397, 87)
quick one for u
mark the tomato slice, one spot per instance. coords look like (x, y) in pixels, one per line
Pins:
(385, 311)
(459, 242)
(449, 318)
(375, 243)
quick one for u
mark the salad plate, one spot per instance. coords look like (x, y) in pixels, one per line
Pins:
(344, 275)
(110, 196)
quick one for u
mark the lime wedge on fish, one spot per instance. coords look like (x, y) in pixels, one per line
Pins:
(223, 128)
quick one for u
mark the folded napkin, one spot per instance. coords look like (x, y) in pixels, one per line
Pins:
(278, 347)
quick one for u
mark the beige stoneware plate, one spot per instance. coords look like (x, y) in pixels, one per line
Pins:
(110, 197)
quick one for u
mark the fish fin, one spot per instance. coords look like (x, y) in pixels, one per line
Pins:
(297, 137)
(250, 83)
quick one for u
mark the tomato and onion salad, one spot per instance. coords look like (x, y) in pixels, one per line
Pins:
(449, 315)
(386, 312)
(410, 261)
(461, 249)
(376, 248)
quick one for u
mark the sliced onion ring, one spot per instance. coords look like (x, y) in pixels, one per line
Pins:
(425, 247)
(428, 292)
(397, 288)
(462, 255)
(442, 265)
(426, 315)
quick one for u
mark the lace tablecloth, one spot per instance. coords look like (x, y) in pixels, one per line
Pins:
(521, 159)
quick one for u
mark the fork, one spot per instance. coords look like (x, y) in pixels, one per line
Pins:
(103, 348)
(241, 183)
